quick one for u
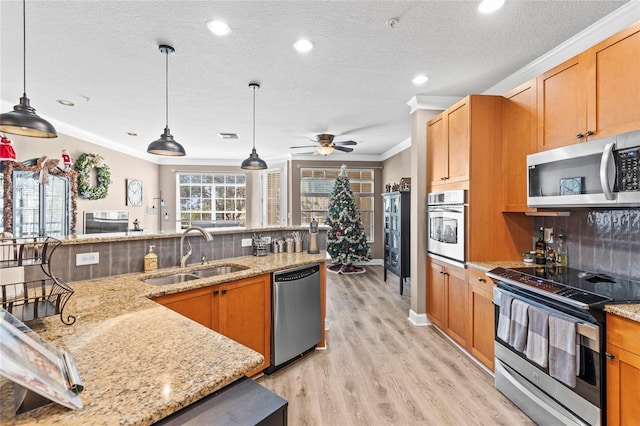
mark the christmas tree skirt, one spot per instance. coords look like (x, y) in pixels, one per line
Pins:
(349, 268)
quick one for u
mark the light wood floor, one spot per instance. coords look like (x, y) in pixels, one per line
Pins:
(379, 369)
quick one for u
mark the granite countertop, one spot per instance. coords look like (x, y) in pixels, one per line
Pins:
(150, 235)
(140, 361)
(630, 311)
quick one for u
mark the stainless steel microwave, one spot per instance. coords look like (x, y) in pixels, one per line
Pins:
(599, 173)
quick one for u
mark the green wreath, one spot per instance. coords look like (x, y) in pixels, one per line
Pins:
(84, 164)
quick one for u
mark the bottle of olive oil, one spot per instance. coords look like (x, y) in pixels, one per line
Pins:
(541, 248)
(562, 257)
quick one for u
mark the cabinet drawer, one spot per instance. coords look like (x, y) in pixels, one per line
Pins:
(624, 333)
(478, 278)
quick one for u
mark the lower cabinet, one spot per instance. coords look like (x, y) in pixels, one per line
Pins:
(623, 370)
(481, 317)
(447, 299)
(240, 310)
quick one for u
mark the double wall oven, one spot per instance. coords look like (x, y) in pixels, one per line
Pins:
(446, 219)
(572, 297)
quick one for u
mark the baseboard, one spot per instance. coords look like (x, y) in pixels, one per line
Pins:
(419, 320)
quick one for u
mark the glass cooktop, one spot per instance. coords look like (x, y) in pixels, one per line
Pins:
(588, 288)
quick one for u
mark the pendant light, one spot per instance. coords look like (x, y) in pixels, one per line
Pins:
(23, 120)
(254, 162)
(166, 145)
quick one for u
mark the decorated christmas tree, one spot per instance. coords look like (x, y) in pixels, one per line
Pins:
(346, 240)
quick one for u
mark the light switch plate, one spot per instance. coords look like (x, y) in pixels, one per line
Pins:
(87, 258)
(246, 242)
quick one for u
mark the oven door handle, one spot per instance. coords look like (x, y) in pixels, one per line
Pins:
(444, 210)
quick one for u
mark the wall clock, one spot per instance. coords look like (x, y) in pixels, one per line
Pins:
(134, 192)
(571, 186)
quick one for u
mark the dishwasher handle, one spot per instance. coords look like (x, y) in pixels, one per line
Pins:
(295, 275)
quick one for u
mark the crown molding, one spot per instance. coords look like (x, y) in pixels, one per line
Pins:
(616, 21)
(431, 102)
(396, 149)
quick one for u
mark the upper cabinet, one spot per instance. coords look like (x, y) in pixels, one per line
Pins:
(519, 133)
(594, 94)
(450, 136)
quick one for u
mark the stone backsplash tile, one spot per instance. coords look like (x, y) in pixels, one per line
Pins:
(604, 240)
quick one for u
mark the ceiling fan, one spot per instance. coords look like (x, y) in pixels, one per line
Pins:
(326, 145)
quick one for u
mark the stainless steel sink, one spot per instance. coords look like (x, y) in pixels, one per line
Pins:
(218, 270)
(195, 275)
(171, 279)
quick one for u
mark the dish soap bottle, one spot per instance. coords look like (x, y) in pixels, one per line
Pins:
(150, 260)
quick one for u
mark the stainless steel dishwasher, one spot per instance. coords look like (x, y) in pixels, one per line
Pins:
(297, 320)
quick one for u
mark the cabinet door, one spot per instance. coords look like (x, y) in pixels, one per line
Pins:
(518, 140)
(458, 128)
(613, 90)
(457, 310)
(481, 317)
(437, 151)
(245, 313)
(435, 293)
(562, 110)
(194, 304)
(623, 386)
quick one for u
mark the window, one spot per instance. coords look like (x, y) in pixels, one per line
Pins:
(316, 185)
(211, 199)
(273, 198)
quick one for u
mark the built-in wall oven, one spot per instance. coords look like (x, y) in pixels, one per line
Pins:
(550, 340)
(446, 218)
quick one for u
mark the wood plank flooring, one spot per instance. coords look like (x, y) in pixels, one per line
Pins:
(379, 369)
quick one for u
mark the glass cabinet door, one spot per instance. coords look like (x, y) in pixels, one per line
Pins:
(40, 210)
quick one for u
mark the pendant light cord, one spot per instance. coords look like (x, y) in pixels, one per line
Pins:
(167, 88)
(254, 117)
(24, 48)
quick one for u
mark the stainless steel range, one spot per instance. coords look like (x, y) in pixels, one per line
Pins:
(550, 340)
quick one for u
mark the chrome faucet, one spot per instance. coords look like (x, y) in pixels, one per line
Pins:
(184, 257)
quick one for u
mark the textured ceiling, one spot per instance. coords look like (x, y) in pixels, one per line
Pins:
(103, 55)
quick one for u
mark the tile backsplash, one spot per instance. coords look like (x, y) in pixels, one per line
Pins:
(602, 240)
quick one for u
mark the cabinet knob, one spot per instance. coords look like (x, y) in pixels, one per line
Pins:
(609, 356)
(580, 136)
(589, 133)
(224, 292)
(215, 292)
(482, 280)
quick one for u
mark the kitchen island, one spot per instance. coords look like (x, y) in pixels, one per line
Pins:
(140, 361)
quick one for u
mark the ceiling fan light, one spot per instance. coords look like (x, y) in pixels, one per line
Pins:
(166, 145)
(325, 149)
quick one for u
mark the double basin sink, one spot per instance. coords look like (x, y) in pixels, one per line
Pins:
(181, 277)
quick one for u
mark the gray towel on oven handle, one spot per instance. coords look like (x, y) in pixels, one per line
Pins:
(504, 317)
(564, 355)
(519, 322)
(538, 336)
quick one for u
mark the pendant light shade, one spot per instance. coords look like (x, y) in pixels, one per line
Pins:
(254, 162)
(23, 120)
(166, 145)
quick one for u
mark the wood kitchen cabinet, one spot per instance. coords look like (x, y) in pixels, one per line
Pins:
(519, 138)
(240, 310)
(447, 299)
(623, 370)
(481, 317)
(594, 94)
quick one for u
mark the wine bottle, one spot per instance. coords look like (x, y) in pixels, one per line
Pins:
(541, 248)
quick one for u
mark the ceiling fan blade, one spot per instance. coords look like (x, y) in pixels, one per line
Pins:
(343, 149)
(304, 146)
(343, 143)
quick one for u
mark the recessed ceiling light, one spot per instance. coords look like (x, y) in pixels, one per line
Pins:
(303, 45)
(65, 102)
(132, 133)
(488, 6)
(219, 28)
(420, 79)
